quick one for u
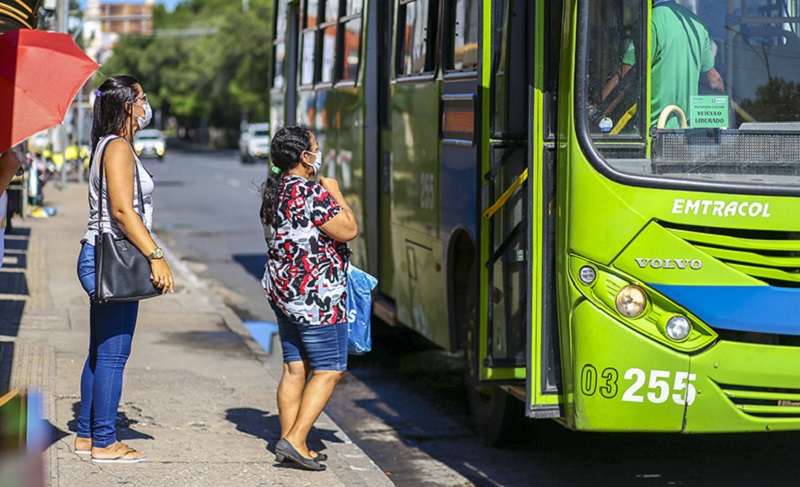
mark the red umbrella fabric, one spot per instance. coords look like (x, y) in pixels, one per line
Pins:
(40, 74)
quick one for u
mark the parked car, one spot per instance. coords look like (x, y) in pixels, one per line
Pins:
(254, 142)
(150, 143)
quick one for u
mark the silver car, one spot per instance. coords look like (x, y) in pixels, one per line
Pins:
(150, 143)
(254, 142)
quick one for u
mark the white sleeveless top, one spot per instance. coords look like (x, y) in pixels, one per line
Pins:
(108, 222)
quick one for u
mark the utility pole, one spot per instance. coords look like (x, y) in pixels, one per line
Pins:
(62, 15)
(245, 5)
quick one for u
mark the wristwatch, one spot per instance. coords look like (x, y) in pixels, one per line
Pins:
(157, 253)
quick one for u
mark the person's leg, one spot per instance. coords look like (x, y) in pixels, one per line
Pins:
(290, 392)
(315, 397)
(326, 346)
(114, 326)
(295, 372)
(86, 276)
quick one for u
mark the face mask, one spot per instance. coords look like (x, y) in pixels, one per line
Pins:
(144, 121)
(317, 162)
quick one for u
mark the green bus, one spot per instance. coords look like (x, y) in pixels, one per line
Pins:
(594, 200)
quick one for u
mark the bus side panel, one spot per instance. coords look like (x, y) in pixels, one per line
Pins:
(416, 245)
(346, 162)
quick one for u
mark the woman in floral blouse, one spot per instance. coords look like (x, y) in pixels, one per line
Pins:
(306, 225)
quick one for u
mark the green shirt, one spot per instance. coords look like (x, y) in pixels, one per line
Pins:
(680, 50)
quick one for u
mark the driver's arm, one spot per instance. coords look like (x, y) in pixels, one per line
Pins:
(614, 81)
(713, 80)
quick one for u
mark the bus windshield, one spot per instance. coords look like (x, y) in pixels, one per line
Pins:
(723, 103)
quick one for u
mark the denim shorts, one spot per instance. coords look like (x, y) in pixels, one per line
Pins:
(323, 346)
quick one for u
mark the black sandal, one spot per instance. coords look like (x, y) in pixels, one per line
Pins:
(285, 449)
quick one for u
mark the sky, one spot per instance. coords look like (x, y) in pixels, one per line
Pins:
(170, 4)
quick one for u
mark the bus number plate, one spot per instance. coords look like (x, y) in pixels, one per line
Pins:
(637, 385)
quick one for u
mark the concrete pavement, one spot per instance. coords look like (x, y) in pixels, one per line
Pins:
(199, 392)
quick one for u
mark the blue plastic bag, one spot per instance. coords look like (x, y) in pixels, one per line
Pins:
(359, 309)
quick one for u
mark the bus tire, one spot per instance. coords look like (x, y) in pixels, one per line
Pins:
(498, 417)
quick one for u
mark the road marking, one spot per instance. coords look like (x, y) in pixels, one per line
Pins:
(234, 182)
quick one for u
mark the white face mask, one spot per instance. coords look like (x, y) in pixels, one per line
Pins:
(144, 121)
(317, 162)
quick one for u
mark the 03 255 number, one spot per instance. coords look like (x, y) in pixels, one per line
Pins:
(654, 386)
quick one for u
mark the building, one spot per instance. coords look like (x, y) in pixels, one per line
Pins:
(103, 23)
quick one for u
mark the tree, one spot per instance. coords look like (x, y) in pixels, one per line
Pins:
(215, 77)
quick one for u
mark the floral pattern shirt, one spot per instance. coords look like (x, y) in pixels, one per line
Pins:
(305, 275)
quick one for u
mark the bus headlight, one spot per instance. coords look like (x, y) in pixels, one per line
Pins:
(587, 274)
(631, 301)
(678, 328)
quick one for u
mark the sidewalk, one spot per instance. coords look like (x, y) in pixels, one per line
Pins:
(199, 393)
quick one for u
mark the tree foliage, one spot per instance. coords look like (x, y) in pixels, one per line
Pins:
(207, 62)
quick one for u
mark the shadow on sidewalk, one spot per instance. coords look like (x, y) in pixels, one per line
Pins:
(252, 263)
(123, 423)
(14, 281)
(262, 425)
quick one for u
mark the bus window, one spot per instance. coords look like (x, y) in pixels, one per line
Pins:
(724, 81)
(308, 42)
(614, 87)
(352, 49)
(331, 11)
(279, 65)
(309, 51)
(353, 7)
(553, 30)
(509, 69)
(328, 54)
(311, 14)
(414, 37)
(464, 25)
(279, 46)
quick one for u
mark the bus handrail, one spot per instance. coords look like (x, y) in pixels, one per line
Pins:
(489, 213)
(666, 112)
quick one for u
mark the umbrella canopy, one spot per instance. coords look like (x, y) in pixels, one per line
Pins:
(40, 74)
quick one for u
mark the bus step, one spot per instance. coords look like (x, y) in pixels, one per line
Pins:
(385, 310)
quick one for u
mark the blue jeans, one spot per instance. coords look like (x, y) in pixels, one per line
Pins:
(111, 332)
(324, 347)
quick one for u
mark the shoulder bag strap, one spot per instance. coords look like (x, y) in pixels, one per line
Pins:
(100, 190)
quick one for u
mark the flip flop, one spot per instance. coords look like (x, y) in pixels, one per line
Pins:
(121, 458)
(83, 452)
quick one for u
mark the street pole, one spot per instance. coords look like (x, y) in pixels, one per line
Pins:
(79, 133)
(62, 14)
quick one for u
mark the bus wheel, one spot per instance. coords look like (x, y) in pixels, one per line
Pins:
(499, 418)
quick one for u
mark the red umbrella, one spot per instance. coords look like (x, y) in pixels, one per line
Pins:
(40, 74)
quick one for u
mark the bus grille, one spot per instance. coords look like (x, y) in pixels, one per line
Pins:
(769, 256)
(764, 402)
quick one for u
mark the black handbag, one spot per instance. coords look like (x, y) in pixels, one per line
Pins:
(122, 272)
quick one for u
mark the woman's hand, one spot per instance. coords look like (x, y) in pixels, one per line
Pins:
(331, 186)
(162, 276)
(343, 227)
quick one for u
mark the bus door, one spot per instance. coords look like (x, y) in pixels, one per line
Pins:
(505, 222)
(519, 337)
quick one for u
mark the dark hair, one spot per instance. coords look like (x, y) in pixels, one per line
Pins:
(109, 106)
(285, 150)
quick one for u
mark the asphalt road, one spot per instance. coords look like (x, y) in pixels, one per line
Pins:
(403, 403)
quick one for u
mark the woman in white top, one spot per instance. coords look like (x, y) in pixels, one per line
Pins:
(120, 110)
